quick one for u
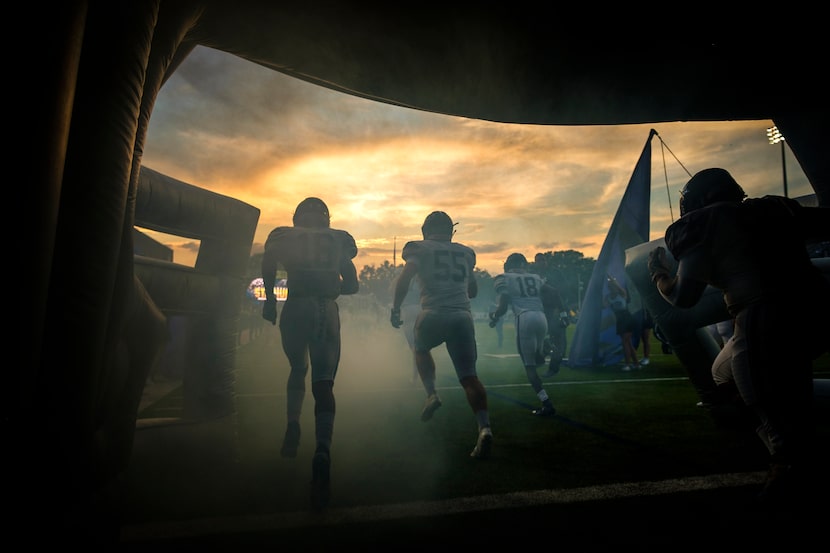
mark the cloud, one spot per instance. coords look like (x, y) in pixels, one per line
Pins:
(239, 129)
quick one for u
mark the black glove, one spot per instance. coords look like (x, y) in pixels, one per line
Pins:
(395, 318)
(564, 318)
(493, 320)
(269, 310)
(658, 264)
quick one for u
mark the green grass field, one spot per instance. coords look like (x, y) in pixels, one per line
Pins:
(611, 428)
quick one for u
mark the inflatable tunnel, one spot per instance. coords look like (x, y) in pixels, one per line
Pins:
(684, 329)
(201, 303)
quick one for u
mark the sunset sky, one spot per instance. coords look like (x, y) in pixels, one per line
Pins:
(235, 128)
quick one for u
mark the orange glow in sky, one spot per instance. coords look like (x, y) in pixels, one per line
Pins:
(239, 129)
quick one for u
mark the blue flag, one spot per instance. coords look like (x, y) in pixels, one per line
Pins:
(595, 342)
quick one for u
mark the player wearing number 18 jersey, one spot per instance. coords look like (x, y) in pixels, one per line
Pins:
(318, 260)
(444, 272)
(524, 292)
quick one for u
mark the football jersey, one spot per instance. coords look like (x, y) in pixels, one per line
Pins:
(444, 271)
(312, 257)
(523, 289)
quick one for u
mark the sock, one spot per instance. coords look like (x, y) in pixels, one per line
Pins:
(294, 403)
(483, 419)
(429, 386)
(324, 429)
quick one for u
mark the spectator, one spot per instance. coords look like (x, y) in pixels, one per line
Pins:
(444, 270)
(318, 260)
(754, 250)
(617, 300)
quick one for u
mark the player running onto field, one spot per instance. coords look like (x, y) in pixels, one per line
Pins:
(444, 270)
(523, 291)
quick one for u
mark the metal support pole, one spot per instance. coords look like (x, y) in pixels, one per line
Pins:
(784, 168)
(775, 137)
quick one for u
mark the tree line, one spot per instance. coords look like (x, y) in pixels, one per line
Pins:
(567, 270)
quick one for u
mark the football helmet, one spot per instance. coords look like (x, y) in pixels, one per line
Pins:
(707, 187)
(438, 226)
(515, 261)
(312, 212)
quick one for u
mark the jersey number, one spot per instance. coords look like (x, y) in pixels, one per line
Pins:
(527, 286)
(319, 251)
(450, 266)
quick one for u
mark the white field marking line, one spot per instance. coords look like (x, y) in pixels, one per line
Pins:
(581, 382)
(395, 511)
(488, 386)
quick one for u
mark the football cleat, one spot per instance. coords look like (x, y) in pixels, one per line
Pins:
(545, 411)
(320, 481)
(553, 367)
(484, 444)
(431, 405)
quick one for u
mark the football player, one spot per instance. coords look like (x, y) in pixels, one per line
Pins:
(318, 261)
(523, 291)
(755, 251)
(444, 270)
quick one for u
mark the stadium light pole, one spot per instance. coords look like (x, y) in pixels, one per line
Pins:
(775, 137)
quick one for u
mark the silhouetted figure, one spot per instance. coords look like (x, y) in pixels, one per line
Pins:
(318, 260)
(625, 325)
(754, 250)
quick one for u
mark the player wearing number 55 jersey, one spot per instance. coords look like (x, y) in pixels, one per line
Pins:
(444, 272)
(524, 292)
(318, 261)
